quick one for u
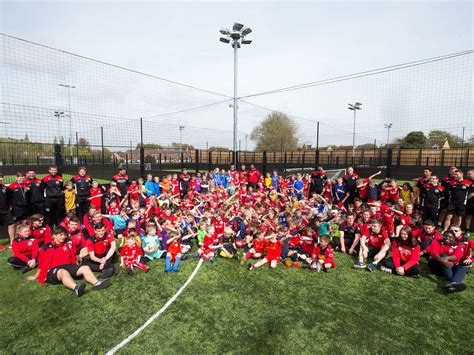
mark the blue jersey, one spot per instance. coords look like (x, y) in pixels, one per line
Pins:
(340, 191)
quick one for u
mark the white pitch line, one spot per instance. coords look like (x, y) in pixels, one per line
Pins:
(157, 314)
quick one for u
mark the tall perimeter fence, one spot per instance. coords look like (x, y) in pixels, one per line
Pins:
(65, 109)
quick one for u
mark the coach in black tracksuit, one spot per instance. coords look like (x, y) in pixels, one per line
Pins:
(82, 185)
(53, 186)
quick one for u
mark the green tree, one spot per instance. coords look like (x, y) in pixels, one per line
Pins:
(276, 132)
(367, 146)
(149, 146)
(415, 139)
(184, 146)
(438, 135)
(150, 159)
(84, 143)
(219, 149)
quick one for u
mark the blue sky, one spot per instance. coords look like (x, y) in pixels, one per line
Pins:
(294, 42)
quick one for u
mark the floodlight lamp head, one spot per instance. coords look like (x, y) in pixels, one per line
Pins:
(358, 104)
(224, 39)
(246, 41)
(224, 31)
(246, 31)
(235, 35)
(237, 26)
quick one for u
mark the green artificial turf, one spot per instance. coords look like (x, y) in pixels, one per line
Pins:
(227, 308)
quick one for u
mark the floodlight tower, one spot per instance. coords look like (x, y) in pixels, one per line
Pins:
(235, 37)
(354, 107)
(388, 126)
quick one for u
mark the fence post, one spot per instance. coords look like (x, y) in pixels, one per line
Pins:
(142, 151)
(264, 163)
(77, 147)
(37, 159)
(102, 143)
(345, 159)
(442, 157)
(126, 161)
(196, 159)
(285, 162)
(182, 160)
(209, 160)
(160, 165)
(316, 158)
(58, 159)
(389, 163)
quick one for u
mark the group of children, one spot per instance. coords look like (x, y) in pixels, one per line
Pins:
(300, 221)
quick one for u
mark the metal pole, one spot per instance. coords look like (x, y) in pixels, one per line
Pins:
(77, 147)
(317, 136)
(353, 138)
(235, 105)
(102, 143)
(181, 138)
(70, 119)
(462, 145)
(246, 137)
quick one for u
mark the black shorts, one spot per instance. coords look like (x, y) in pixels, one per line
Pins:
(469, 208)
(52, 276)
(20, 213)
(6, 218)
(457, 209)
(372, 252)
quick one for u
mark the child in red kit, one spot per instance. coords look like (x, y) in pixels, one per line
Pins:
(258, 247)
(25, 250)
(96, 195)
(273, 252)
(130, 256)
(323, 255)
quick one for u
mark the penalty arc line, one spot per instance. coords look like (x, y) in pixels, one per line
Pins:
(157, 314)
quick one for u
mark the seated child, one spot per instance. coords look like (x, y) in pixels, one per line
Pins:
(25, 250)
(374, 245)
(130, 256)
(323, 255)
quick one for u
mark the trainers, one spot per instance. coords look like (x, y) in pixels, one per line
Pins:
(287, 263)
(196, 256)
(297, 264)
(101, 284)
(359, 265)
(80, 289)
(116, 270)
(146, 269)
(185, 257)
(174, 269)
(250, 267)
(167, 269)
(318, 267)
(25, 269)
(372, 267)
(2, 247)
(109, 272)
(386, 269)
(211, 260)
(130, 271)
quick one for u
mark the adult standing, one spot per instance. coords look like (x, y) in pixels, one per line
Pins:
(350, 181)
(253, 177)
(318, 180)
(459, 190)
(35, 194)
(121, 179)
(184, 179)
(82, 185)
(6, 217)
(53, 186)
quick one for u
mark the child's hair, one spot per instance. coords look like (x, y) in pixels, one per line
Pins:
(69, 183)
(74, 219)
(132, 231)
(173, 234)
(21, 227)
(20, 174)
(36, 217)
(376, 222)
(429, 222)
(150, 227)
(325, 238)
(59, 230)
(99, 225)
(131, 237)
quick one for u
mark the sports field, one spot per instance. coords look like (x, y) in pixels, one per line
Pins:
(227, 308)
